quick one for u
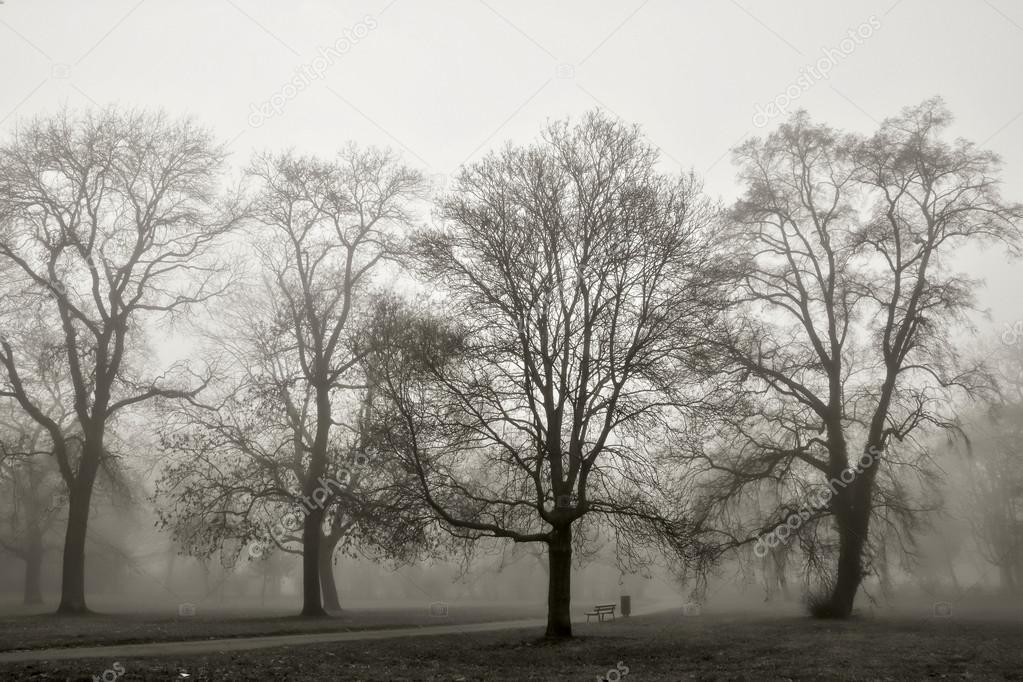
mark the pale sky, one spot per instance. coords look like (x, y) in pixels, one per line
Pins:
(445, 81)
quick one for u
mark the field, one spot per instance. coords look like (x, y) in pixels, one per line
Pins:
(41, 630)
(973, 645)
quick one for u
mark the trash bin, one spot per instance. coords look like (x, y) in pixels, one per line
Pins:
(626, 605)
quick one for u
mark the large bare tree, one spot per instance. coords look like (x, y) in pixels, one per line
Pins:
(236, 479)
(107, 223)
(844, 318)
(323, 229)
(572, 271)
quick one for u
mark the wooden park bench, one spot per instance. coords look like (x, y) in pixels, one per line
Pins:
(601, 610)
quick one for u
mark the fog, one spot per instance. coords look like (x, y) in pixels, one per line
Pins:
(956, 559)
(486, 340)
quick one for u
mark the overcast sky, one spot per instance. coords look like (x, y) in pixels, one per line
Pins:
(446, 81)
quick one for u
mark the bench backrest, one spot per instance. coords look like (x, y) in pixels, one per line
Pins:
(604, 607)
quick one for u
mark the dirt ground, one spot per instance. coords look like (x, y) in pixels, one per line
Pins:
(667, 646)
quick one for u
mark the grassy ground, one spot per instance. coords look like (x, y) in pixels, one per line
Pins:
(37, 631)
(653, 648)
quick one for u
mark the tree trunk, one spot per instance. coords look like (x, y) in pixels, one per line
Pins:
(262, 593)
(950, 566)
(783, 581)
(311, 606)
(849, 574)
(312, 529)
(331, 602)
(169, 572)
(72, 586)
(205, 576)
(852, 532)
(1008, 583)
(559, 585)
(275, 579)
(33, 568)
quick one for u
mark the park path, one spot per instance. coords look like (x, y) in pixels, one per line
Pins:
(212, 646)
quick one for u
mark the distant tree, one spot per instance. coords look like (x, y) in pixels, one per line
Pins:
(573, 272)
(107, 224)
(293, 422)
(234, 487)
(843, 319)
(989, 487)
(31, 497)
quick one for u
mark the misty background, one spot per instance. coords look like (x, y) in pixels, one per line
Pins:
(444, 84)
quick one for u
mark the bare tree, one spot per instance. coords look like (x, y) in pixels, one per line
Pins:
(237, 473)
(573, 271)
(324, 229)
(843, 318)
(989, 485)
(31, 494)
(108, 221)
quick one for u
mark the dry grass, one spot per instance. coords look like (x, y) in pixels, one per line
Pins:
(46, 630)
(662, 647)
